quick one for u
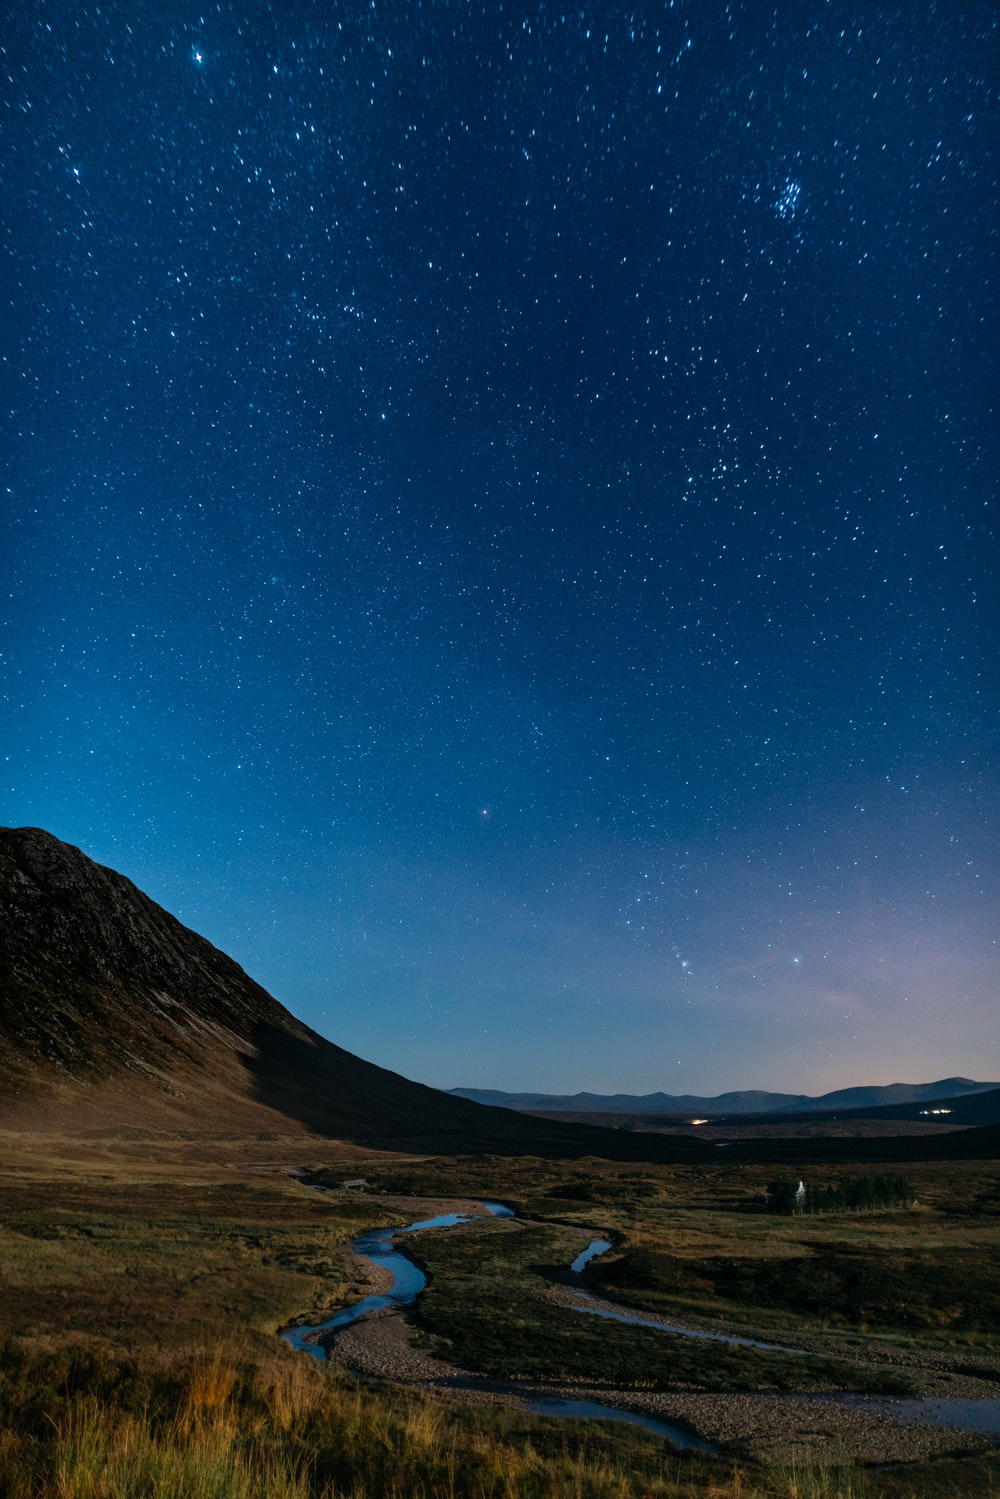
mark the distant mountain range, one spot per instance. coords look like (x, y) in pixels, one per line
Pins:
(752, 1101)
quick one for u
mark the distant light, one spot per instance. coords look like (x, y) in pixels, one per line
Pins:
(699, 1121)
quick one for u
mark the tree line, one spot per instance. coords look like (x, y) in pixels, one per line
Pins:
(859, 1194)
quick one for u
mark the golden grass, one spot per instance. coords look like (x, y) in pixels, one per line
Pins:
(226, 1429)
(292, 1431)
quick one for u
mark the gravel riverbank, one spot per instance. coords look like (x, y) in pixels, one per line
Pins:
(380, 1346)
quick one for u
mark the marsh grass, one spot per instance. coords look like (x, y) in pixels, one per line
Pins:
(171, 1265)
(125, 1458)
(929, 1276)
(831, 1284)
(487, 1308)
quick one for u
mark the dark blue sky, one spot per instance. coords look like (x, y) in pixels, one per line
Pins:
(499, 529)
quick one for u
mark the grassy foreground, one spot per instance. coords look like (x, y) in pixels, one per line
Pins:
(226, 1428)
(76, 1426)
(144, 1280)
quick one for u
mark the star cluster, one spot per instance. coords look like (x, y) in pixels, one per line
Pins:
(499, 523)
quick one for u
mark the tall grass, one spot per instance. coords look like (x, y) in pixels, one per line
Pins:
(222, 1427)
(99, 1456)
(797, 1478)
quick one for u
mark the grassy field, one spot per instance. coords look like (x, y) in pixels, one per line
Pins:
(145, 1279)
(152, 1257)
(695, 1242)
(486, 1306)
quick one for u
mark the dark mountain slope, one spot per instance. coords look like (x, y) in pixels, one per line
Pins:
(110, 1008)
(95, 977)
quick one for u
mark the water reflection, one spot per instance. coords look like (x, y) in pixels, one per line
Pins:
(590, 1410)
(408, 1280)
(638, 1319)
(962, 1415)
(596, 1247)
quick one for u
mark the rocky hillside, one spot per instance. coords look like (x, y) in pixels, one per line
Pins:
(96, 977)
(111, 1009)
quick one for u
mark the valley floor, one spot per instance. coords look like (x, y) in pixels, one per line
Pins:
(384, 1345)
(133, 1262)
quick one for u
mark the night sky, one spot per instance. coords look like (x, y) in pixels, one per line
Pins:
(498, 532)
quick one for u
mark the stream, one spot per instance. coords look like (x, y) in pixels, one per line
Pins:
(981, 1416)
(377, 1245)
(409, 1281)
(594, 1308)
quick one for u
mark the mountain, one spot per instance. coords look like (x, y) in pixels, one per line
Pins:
(112, 1011)
(115, 1017)
(749, 1102)
(896, 1093)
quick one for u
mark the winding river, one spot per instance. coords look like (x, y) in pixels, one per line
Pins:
(408, 1281)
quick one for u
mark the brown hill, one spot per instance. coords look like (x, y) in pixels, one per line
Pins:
(111, 1011)
(113, 1014)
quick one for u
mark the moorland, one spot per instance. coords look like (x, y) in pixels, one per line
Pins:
(147, 1278)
